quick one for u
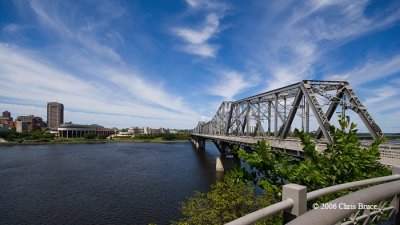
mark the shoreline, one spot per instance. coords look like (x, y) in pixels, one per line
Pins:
(91, 142)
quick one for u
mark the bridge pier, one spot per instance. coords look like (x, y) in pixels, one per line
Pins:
(223, 147)
(218, 165)
(198, 143)
(223, 164)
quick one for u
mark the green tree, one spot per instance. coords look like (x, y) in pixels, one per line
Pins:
(228, 199)
(48, 135)
(346, 160)
(35, 135)
(90, 136)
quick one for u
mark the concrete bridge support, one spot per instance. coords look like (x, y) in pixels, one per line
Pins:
(218, 165)
(198, 143)
(224, 164)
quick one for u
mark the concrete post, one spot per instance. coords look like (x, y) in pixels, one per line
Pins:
(218, 165)
(298, 194)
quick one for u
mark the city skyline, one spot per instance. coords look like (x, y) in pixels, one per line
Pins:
(158, 64)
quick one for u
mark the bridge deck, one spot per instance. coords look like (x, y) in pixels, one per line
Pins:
(390, 152)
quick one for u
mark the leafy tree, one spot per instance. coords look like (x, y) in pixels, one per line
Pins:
(90, 136)
(343, 161)
(48, 135)
(36, 134)
(228, 199)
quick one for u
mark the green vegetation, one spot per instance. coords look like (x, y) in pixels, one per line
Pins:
(343, 161)
(90, 136)
(31, 136)
(228, 199)
(44, 137)
(161, 137)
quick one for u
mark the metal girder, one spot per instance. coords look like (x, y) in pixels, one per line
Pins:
(292, 113)
(317, 110)
(331, 110)
(238, 117)
(372, 127)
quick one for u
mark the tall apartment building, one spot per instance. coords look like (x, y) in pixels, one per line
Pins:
(6, 114)
(55, 115)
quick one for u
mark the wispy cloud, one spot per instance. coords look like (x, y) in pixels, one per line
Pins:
(95, 85)
(369, 71)
(25, 78)
(50, 15)
(196, 40)
(230, 83)
(381, 99)
(306, 32)
(114, 58)
(14, 28)
(382, 94)
(208, 4)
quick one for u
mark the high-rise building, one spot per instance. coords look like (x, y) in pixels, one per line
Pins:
(6, 114)
(55, 115)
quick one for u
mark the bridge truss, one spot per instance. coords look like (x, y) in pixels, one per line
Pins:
(272, 113)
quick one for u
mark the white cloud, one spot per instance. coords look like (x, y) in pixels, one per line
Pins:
(193, 3)
(14, 28)
(204, 50)
(295, 40)
(382, 94)
(207, 4)
(370, 71)
(27, 79)
(193, 36)
(230, 83)
(197, 39)
(50, 15)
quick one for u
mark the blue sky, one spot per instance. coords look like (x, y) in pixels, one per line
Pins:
(171, 63)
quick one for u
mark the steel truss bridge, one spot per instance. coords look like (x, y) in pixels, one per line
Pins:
(273, 114)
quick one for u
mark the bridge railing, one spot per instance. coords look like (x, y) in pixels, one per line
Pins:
(295, 198)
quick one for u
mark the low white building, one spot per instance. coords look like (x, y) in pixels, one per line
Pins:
(77, 130)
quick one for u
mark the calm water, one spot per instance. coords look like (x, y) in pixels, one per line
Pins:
(114, 183)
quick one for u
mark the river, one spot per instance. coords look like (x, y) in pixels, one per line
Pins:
(112, 183)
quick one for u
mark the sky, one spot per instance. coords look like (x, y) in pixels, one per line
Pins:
(171, 63)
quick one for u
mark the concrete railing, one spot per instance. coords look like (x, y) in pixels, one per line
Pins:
(363, 201)
(295, 198)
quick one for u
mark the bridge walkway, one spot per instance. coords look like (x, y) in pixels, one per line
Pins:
(390, 152)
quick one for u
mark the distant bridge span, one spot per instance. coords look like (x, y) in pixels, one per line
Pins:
(271, 116)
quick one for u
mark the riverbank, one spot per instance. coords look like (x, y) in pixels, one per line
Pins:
(84, 141)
